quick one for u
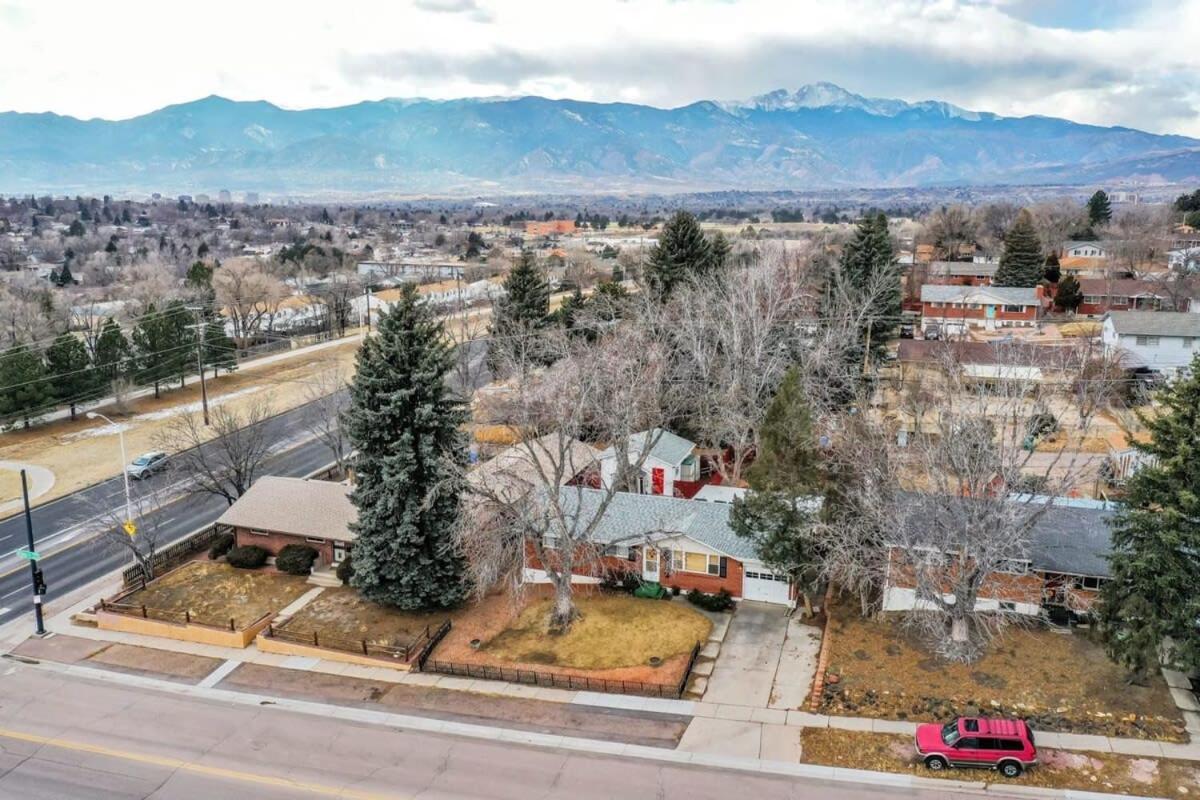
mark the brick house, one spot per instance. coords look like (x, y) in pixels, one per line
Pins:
(954, 309)
(278, 511)
(1125, 294)
(962, 273)
(672, 541)
(1066, 565)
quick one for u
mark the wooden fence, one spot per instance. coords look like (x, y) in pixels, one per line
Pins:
(184, 617)
(171, 556)
(421, 644)
(563, 680)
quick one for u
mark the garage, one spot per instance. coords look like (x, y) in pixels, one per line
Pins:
(761, 584)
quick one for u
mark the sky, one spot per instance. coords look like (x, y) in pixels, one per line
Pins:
(1107, 62)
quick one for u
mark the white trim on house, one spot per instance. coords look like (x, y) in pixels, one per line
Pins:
(896, 598)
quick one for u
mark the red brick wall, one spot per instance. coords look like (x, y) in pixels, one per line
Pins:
(686, 581)
(949, 313)
(274, 542)
(998, 586)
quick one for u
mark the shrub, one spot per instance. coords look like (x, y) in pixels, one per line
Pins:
(721, 601)
(626, 582)
(220, 546)
(345, 570)
(249, 556)
(296, 559)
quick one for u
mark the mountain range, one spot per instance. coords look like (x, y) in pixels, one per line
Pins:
(817, 137)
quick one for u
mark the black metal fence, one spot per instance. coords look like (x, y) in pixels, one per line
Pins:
(563, 680)
(184, 617)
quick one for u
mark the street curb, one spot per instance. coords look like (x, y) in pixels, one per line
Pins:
(569, 743)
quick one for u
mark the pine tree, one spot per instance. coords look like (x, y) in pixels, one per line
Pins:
(774, 514)
(570, 308)
(869, 260)
(153, 340)
(1069, 295)
(405, 426)
(74, 381)
(1156, 535)
(24, 387)
(520, 313)
(681, 253)
(113, 352)
(1099, 209)
(1021, 262)
(1053, 272)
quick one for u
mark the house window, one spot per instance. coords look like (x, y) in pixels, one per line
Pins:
(617, 550)
(703, 563)
(1014, 309)
(314, 540)
(1147, 341)
(1091, 299)
(1087, 582)
(257, 532)
(1006, 605)
(1013, 566)
(549, 541)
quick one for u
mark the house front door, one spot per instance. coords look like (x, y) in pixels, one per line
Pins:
(339, 554)
(658, 480)
(650, 564)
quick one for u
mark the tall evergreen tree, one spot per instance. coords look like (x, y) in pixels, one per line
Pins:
(156, 346)
(869, 264)
(1069, 295)
(1099, 209)
(405, 426)
(775, 514)
(74, 381)
(1021, 263)
(113, 353)
(682, 252)
(24, 387)
(1155, 557)
(520, 313)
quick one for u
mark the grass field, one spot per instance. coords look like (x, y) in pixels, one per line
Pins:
(341, 611)
(214, 592)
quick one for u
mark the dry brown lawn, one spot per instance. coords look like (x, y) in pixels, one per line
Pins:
(604, 636)
(10, 485)
(1057, 681)
(612, 631)
(214, 592)
(343, 612)
(1059, 769)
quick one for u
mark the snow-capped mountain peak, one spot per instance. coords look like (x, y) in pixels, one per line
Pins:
(830, 95)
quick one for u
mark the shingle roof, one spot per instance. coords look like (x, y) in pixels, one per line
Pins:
(1155, 323)
(630, 517)
(668, 447)
(1122, 287)
(963, 268)
(1007, 295)
(526, 466)
(295, 506)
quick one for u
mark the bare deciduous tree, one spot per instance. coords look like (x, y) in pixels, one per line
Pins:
(223, 459)
(249, 295)
(610, 391)
(327, 398)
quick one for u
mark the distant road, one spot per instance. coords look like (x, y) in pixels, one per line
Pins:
(84, 561)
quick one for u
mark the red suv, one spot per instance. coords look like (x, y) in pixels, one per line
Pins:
(1002, 744)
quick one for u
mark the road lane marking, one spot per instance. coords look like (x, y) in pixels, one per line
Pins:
(319, 789)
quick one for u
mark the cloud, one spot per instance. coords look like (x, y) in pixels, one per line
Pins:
(469, 7)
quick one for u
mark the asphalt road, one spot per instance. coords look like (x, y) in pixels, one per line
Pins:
(72, 739)
(73, 563)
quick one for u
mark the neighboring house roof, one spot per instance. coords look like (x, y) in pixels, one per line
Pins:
(1005, 295)
(1123, 287)
(295, 506)
(1072, 245)
(525, 466)
(1070, 536)
(631, 518)
(668, 447)
(960, 268)
(1073, 540)
(1155, 323)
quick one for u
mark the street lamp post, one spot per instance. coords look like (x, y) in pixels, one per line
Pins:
(124, 460)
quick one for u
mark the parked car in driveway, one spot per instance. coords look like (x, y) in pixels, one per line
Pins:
(146, 465)
(1001, 744)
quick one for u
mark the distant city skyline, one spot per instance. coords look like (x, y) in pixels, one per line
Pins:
(1103, 62)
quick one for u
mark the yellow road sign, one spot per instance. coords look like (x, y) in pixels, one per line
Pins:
(129, 527)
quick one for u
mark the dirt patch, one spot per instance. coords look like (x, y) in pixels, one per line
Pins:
(150, 661)
(10, 485)
(1057, 769)
(609, 639)
(214, 592)
(342, 612)
(520, 713)
(1058, 682)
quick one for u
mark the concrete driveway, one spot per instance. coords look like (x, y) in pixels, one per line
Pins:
(766, 661)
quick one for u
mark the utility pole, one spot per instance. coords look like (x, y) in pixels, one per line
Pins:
(201, 330)
(35, 574)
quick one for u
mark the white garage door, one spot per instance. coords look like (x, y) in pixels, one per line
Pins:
(764, 586)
